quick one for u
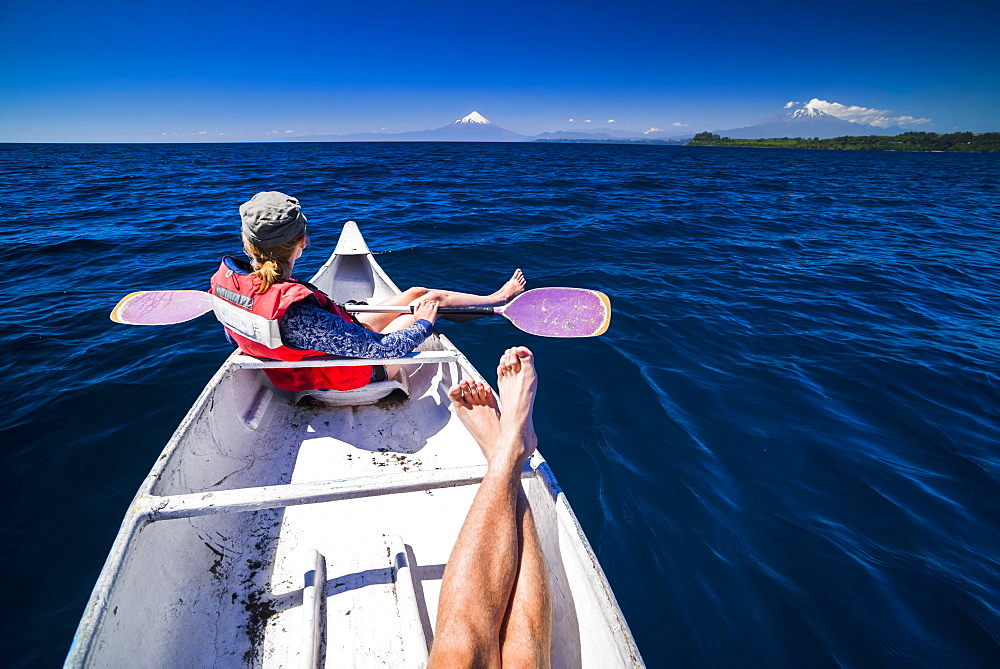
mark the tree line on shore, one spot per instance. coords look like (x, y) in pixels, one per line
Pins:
(908, 141)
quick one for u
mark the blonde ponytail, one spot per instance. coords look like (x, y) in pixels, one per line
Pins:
(271, 264)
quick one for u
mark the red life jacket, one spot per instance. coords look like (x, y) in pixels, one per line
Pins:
(231, 283)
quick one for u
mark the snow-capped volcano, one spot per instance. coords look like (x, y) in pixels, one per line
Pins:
(474, 117)
(471, 128)
(819, 118)
(805, 122)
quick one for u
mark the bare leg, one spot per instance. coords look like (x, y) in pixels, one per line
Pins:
(380, 322)
(526, 635)
(514, 286)
(495, 604)
(526, 632)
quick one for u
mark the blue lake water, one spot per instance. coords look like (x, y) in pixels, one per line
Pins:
(784, 451)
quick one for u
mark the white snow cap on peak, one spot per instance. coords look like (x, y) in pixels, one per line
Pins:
(474, 117)
(809, 111)
(879, 118)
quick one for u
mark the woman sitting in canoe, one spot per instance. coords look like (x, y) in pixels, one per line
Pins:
(309, 323)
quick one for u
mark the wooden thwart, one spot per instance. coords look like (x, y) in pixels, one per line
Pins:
(277, 496)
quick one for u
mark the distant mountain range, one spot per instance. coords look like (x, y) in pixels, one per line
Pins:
(806, 122)
(477, 128)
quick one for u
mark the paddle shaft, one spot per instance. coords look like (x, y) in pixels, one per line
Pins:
(405, 309)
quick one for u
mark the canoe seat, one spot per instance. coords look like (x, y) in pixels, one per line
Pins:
(368, 394)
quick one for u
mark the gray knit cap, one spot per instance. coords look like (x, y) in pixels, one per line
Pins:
(271, 219)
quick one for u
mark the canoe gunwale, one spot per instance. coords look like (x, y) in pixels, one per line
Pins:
(135, 519)
(613, 612)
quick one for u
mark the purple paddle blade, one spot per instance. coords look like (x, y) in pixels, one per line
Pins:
(559, 312)
(161, 307)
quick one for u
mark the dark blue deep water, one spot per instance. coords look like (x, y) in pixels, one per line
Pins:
(784, 450)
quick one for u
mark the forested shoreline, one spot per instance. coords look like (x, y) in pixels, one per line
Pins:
(908, 141)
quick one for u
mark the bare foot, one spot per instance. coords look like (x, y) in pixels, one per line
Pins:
(518, 384)
(476, 407)
(514, 287)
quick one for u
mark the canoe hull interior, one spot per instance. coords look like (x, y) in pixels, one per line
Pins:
(229, 587)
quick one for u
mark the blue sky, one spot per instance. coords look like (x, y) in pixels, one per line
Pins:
(110, 70)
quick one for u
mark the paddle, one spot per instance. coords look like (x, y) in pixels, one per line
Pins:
(161, 307)
(546, 312)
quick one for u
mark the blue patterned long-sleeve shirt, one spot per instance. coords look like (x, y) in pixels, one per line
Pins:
(308, 326)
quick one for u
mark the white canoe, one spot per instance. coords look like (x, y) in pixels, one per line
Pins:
(272, 533)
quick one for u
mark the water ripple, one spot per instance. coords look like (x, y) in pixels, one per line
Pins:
(784, 450)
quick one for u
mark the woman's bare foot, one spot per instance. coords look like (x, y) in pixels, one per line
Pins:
(518, 383)
(514, 287)
(476, 407)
